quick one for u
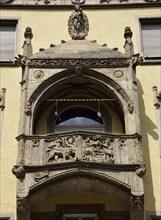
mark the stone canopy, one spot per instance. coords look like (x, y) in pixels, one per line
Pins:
(73, 49)
(83, 52)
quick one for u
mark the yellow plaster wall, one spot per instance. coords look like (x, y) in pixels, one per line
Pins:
(50, 204)
(147, 78)
(9, 79)
(106, 26)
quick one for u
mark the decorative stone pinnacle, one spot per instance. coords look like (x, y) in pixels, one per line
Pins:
(28, 33)
(128, 46)
(78, 25)
(27, 46)
(128, 32)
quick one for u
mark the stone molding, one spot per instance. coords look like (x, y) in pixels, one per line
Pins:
(96, 3)
(93, 63)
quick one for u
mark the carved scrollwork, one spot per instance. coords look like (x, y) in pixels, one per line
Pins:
(22, 204)
(62, 149)
(137, 201)
(80, 62)
(78, 25)
(98, 149)
(19, 172)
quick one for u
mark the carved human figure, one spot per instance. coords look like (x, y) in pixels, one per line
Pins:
(55, 151)
(70, 143)
(78, 20)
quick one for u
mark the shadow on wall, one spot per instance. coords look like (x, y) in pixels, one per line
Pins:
(147, 127)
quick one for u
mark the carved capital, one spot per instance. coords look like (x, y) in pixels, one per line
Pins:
(137, 201)
(22, 204)
(19, 172)
(2, 99)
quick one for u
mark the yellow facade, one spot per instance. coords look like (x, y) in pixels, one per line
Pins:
(106, 26)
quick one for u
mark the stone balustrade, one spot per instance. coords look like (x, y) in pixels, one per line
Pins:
(80, 146)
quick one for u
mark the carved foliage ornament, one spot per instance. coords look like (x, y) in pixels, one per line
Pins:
(78, 25)
(22, 204)
(137, 201)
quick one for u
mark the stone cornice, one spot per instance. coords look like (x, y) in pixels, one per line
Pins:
(50, 136)
(12, 4)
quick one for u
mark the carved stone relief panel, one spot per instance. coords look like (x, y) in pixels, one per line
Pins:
(82, 147)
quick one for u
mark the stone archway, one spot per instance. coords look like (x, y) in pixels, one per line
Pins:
(85, 183)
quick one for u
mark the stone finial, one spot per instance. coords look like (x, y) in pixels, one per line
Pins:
(27, 46)
(78, 25)
(129, 47)
(2, 99)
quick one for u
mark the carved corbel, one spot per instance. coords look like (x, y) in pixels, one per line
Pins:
(22, 204)
(141, 171)
(2, 99)
(137, 201)
(19, 172)
(157, 97)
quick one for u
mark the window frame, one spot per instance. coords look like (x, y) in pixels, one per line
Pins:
(146, 20)
(17, 45)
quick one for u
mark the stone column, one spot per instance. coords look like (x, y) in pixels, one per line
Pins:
(137, 207)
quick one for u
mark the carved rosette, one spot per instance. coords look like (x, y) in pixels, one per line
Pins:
(78, 24)
(137, 201)
(22, 204)
(19, 172)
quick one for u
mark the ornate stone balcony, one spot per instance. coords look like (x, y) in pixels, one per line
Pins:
(80, 146)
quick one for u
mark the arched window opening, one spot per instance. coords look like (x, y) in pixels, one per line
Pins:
(78, 118)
